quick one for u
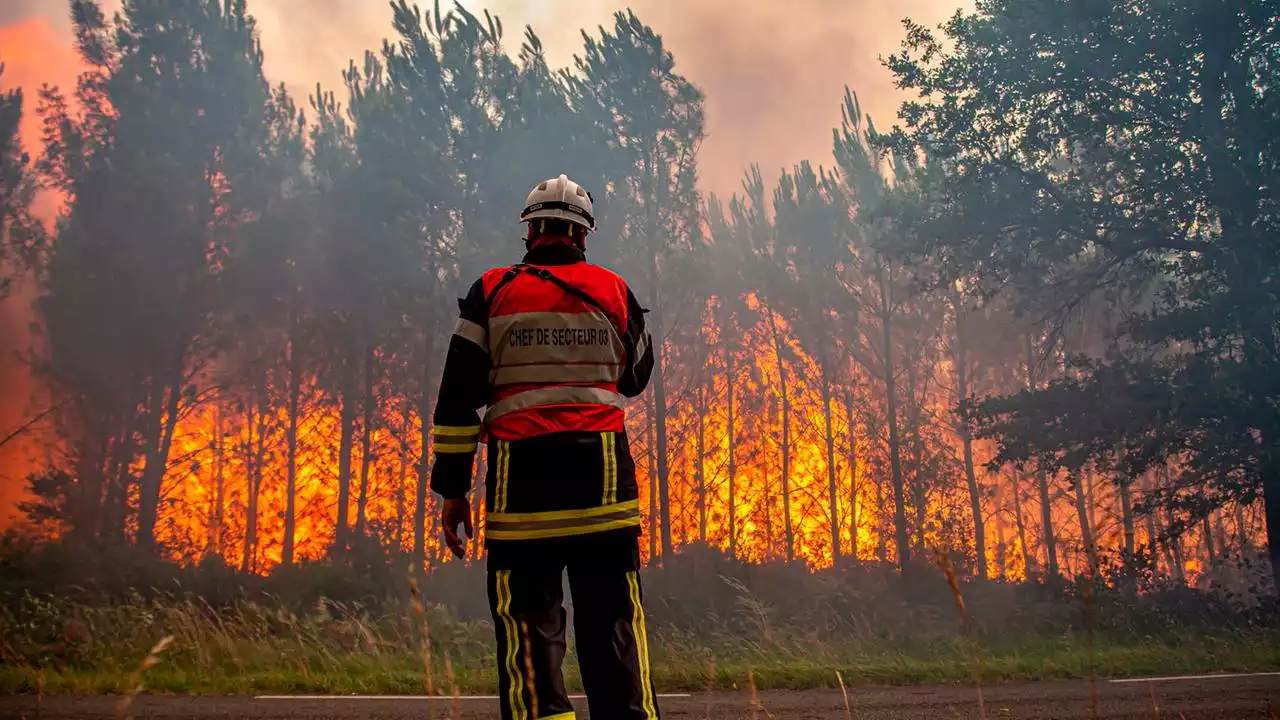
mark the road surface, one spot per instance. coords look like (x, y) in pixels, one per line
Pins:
(1228, 697)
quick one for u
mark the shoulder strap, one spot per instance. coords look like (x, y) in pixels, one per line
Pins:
(551, 277)
(510, 275)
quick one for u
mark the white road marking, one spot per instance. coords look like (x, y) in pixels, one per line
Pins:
(423, 697)
(1210, 676)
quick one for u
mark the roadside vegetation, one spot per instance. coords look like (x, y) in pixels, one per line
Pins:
(83, 623)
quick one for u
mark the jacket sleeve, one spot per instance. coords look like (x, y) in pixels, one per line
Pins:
(639, 347)
(464, 389)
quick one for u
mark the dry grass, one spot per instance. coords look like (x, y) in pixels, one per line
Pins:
(848, 710)
(966, 624)
(63, 647)
(711, 687)
(756, 706)
(136, 686)
(714, 623)
(424, 634)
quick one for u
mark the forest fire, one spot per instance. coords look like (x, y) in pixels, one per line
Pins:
(813, 377)
(223, 449)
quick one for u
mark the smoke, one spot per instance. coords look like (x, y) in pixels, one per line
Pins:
(36, 48)
(773, 72)
(18, 400)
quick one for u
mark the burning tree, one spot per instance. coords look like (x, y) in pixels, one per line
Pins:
(245, 304)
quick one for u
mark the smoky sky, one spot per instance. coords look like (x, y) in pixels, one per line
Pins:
(773, 71)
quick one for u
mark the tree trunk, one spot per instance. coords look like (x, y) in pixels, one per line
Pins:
(833, 499)
(424, 463)
(94, 461)
(699, 468)
(882, 549)
(891, 403)
(114, 501)
(853, 481)
(784, 392)
(1091, 502)
(1235, 190)
(211, 515)
(1029, 563)
(254, 453)
(160, 436)
(732, 510)
(345, 443)
(149, 485)
(659, 349)
(919, 491)
(291, 440)
(219, 480)
(1220, 534)
(1209, 550)
(1174, 542)
(1002, 549)
(660, 429)
(1046, 508)
(966, 439)
(401, 500)
(1126, 516)
(655, 521)
(1159, 548)
(368, 402)
(1086, 528)
(1242, 530)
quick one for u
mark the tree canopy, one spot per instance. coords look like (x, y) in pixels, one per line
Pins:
(1034, 325)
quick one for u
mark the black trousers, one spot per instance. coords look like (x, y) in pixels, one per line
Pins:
(526, 598)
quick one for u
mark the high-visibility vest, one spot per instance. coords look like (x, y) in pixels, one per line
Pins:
(556, 350)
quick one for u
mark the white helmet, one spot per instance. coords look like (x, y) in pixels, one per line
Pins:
(562, 199)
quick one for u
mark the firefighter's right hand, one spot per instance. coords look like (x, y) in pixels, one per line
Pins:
(452, 514)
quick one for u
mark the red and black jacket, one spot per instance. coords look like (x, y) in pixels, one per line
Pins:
(551, 348)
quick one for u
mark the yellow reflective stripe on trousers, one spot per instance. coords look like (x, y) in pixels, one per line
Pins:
(555, 515)
(552, 532)
(559, 716)
(562, 523)
(607, 445)
(500, 486)
(642, 646)
(515, 683)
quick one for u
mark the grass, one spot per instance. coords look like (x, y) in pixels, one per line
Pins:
(278, 668)
(68, 625)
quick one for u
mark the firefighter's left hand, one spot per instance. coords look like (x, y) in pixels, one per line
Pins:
(452, 514)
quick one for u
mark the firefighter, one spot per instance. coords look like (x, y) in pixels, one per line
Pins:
(550, 348)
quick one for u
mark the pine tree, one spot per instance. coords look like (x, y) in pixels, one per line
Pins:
(627, 86)
(144, 166)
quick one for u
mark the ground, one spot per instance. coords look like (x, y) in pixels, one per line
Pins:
(1233, 697)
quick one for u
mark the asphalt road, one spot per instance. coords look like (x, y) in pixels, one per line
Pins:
(1234, 698)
